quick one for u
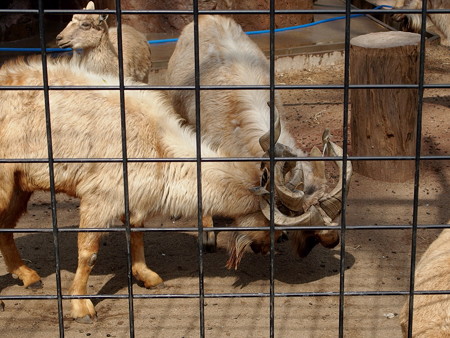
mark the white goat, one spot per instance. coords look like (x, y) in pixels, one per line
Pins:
(235, 120)
(90, 33)
(441, 21)
(431, 316)
(88, 125)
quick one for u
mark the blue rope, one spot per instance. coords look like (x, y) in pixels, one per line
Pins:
(154, 42)
(36, 50)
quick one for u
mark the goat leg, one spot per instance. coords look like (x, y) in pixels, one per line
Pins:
(139, 267)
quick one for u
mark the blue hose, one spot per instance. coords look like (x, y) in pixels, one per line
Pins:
(36, 50)
(154, 42)
(286, 28)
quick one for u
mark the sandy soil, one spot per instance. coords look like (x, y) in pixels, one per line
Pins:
(376, 260)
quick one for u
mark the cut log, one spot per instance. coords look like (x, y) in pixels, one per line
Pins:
(384, 121)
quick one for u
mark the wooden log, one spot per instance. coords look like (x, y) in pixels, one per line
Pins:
(384, 121)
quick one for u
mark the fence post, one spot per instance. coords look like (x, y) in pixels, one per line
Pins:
(383, 121)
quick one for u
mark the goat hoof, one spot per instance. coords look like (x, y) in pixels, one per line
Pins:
(210, 248)
(2, 306)
(209, 241)
(157, 287)
(86, 319)
(36, 285)
(175, 218)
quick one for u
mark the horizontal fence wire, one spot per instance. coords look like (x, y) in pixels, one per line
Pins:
(229, 295)
(122, 87)
(228, 228)
(226, 12)
(277, 87)
(227, 159)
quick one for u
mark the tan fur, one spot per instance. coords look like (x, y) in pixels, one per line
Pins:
(99, 54)
(441, 21)
(431, 316)
(233, 120)
(87, 124)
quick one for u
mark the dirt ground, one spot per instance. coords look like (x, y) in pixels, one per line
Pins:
(376, 260)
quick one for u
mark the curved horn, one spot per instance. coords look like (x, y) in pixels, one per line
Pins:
(296, 180)
(294, 199)
(287, 192)
(311, 217)
(331, 204)
(264, 140)
(291, 198)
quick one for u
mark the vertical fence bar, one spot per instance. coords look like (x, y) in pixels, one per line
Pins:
(272, 166)
(125, 167)
(344, 166)
(199, 171)
(417, 167)
(51, 167)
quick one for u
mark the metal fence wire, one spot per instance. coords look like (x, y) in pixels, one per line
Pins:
(201, 295)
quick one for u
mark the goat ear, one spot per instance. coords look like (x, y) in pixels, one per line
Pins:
(259, 191)
(90, 5)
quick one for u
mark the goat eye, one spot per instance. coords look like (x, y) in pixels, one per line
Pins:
(85, 25)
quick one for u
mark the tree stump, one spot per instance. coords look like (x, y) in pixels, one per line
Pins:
(384, 121)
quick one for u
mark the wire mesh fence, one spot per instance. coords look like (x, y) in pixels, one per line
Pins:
(198, 293)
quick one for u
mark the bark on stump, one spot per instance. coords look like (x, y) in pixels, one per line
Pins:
(384, 121)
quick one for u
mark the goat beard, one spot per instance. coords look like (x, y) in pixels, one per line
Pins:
(238, 243)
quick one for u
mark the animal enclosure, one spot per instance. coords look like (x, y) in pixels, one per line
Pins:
(354, 290)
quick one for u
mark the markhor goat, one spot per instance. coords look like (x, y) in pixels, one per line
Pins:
(99, 54)
(87, 125)
(235, 120)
